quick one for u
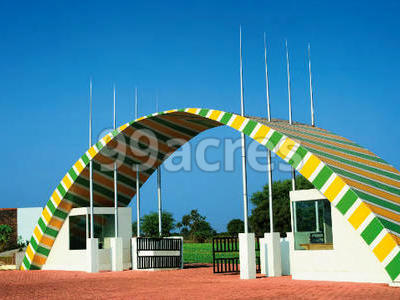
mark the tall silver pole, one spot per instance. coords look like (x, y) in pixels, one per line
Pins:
(288, 82)
(91, 163)
(115, 176)
(290, 108)
(316, 216)
(137, 175)
(311, 90)
(266, 78)
(244, 170)
(159, 201)
(159, 191)
(271, 215)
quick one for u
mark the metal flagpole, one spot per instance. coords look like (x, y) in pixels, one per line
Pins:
(115, 177)
(159, 191)
(311, 90)
(316, 216)
(91, 163)
(288, 81)
(290, 109)
(312, 123)
(137, 175)
(159, 200)
(244, 170)
(271, 215)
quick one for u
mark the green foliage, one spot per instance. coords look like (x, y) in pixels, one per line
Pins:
(235, 226)
(259, 219)
(195, 227)
(222, 234)
(134, 228)
(21, 243)
(149, 224)
(5, 235)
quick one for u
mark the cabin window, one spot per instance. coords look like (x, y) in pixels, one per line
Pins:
(77, 232)
(312, 224)
(104, 229)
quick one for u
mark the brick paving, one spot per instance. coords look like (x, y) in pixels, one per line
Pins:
(190, 283)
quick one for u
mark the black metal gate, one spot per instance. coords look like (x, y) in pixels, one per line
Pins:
(226, 255)
(159, 261)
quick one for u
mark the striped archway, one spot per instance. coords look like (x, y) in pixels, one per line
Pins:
(360, 185)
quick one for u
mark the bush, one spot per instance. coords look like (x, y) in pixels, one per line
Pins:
(5, 235)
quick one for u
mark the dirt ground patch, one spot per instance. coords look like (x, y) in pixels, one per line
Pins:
(190, 283)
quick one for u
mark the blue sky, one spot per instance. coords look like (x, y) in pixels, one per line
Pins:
(187, 53)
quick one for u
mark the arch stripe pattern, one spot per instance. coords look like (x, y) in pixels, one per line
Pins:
(362, 186)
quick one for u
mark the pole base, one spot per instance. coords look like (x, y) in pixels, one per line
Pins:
(270, 254)
(92, 255)
(117, 263)
(247, 254)
(134, 253)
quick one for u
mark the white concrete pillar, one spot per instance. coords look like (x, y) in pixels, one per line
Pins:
(134, 253)
(263, 256)
(285, 256)
(92, 252)
(273, 261)
(247, 256)
(290, 238)
(117, 263)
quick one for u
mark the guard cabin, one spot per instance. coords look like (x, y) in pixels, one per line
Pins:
(324, 246)
(70, 249)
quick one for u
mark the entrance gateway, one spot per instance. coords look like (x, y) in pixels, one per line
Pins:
(360, 187)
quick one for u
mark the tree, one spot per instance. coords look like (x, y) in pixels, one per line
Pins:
(235, 226)
(21, 243)
(149, 224)
(134, 228)
(195, 227)
(5, 235)
(259, 219)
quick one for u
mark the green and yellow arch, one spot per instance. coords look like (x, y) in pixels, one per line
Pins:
(362, 186)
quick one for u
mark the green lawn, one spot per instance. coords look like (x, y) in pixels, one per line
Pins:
(202, 253)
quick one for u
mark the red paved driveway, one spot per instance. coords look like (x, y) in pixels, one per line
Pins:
(192, 283)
